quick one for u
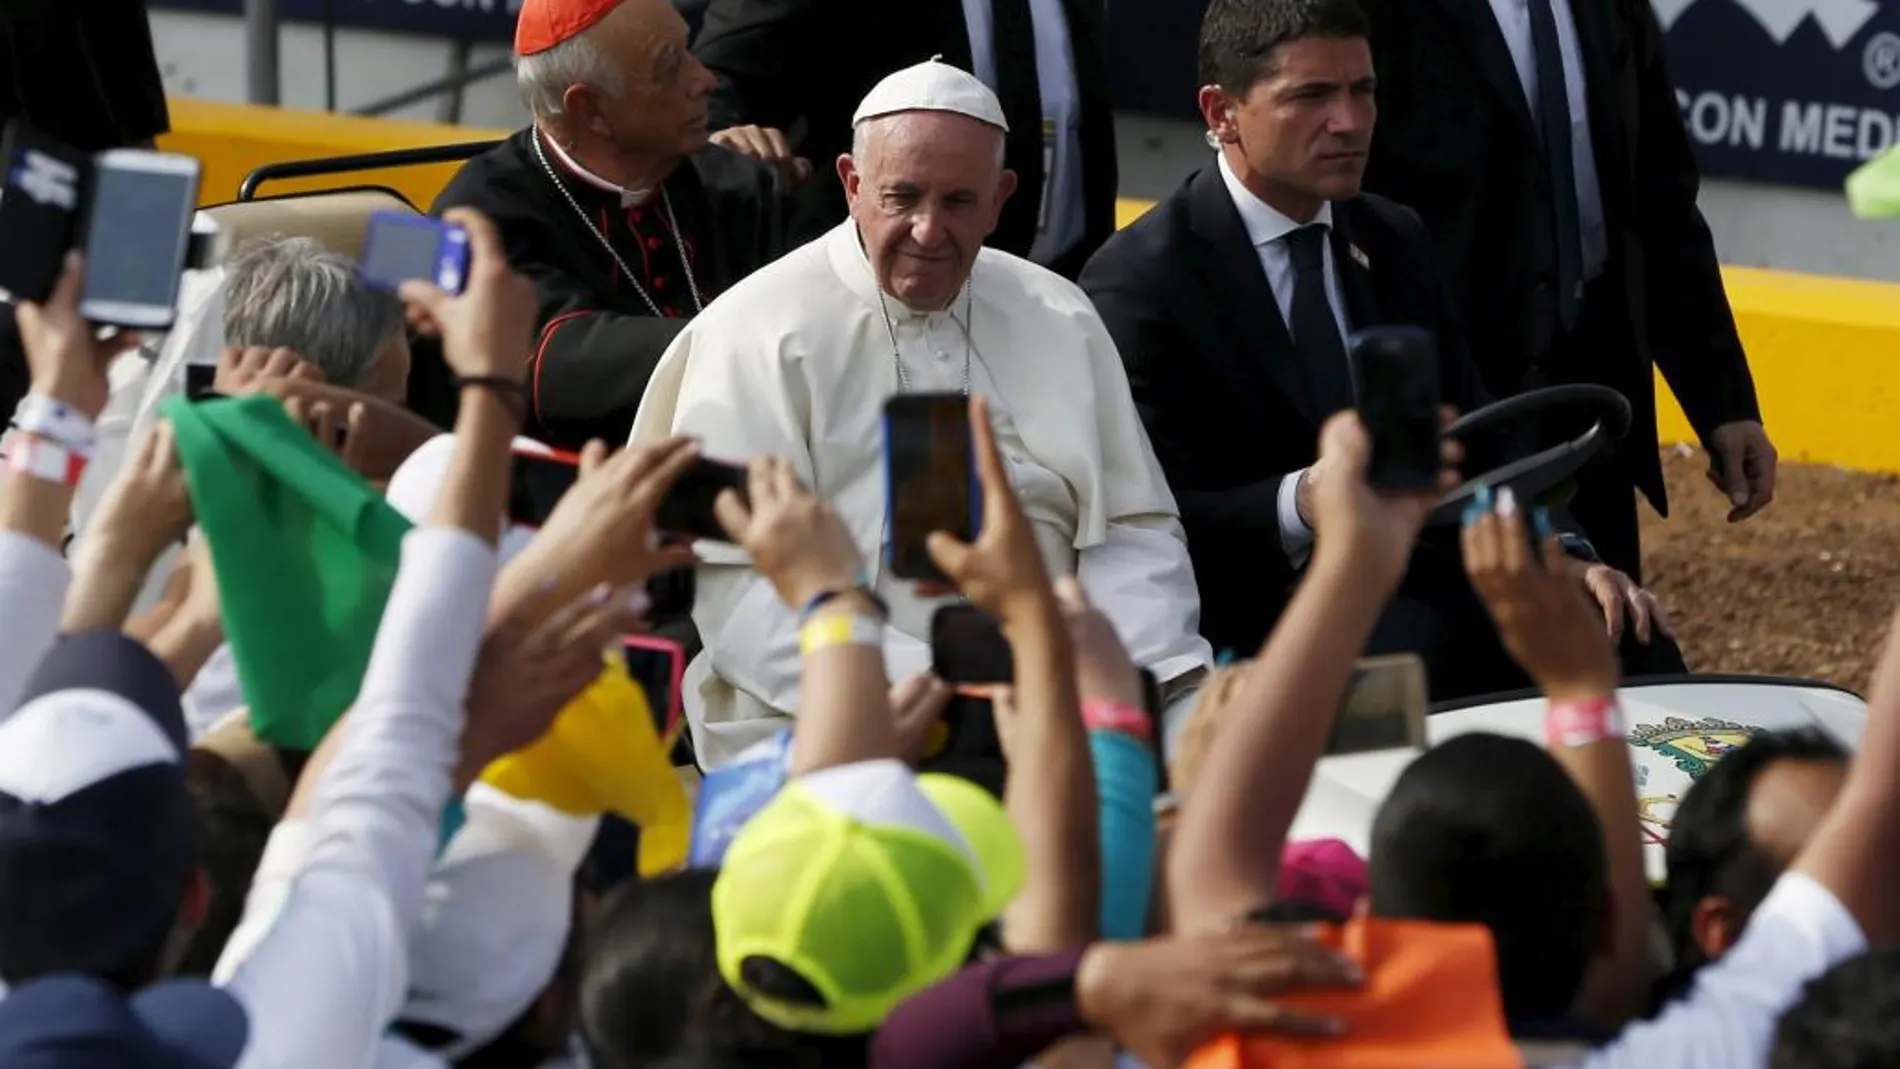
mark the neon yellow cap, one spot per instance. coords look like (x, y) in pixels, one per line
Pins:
(867, 881)
(1873, 190)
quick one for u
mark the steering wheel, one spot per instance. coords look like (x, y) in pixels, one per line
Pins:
(1530, 478)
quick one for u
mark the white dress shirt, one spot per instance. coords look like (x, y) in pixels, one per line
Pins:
(1268, 229)
(320, 960)
(1060, 224)
(1514, 21)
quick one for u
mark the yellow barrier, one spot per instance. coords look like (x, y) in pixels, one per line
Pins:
(1823, 349)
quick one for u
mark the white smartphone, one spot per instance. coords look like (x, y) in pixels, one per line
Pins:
(137, 232)
(1385, 707)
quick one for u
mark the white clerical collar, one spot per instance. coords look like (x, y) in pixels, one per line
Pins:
(1265, 225)
(629, 198)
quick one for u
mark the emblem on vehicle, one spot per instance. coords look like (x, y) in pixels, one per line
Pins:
(1694, 745)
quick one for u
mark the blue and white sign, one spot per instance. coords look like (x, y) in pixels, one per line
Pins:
(1791, 91)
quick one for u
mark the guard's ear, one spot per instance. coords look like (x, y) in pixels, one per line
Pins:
(1217, 111)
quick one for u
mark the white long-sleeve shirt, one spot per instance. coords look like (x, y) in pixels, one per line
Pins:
(33, 583)
(320, 961)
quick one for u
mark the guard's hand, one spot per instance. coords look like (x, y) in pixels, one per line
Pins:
(1542, 616)
(1742, 463)
(64, 355)
(1621, 599)
(794, 537)
(769, 146)
(1002, 572)
(1163, 998)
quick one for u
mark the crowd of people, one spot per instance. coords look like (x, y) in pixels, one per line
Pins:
(318, 747)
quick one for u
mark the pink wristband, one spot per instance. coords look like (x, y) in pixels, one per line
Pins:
(1583, 723)
(1100, 715)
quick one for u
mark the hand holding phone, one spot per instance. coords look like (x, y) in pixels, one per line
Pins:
(687, 508)
(1395, 379)
(402, 247)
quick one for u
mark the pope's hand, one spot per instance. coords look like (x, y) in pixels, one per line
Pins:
(794, 537)
(769, 146)
(1742, 463)
(488, 330)
(1002, 571)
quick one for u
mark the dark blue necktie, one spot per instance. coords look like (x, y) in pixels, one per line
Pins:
(1315, 328)
(1553, 116)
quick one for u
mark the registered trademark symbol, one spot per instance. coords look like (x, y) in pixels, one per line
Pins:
(1881, 61)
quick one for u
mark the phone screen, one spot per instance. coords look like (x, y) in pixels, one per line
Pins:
(930, 470)
(141, 223)
(401, 248)
(1396, 373)
(1385, 707)
(688, 506)
(657, 665)
(536, 485)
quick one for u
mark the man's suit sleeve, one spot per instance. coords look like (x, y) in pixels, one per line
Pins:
(1130, 305)
(760, 50)
(1691, 328)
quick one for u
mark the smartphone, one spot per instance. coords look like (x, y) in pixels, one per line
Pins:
(137, 230)
(40, 207)
(199, 380)
(1385, 707)
(401, 247)
(967, 647)
(930, 479)
(658, 665)
(687, 508)
(1395, 379)
(536, 483)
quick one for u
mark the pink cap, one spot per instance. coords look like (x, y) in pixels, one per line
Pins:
(1325, 873)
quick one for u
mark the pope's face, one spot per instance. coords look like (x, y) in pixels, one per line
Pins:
(925, 189)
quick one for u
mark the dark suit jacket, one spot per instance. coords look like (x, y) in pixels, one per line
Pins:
(781, 62)
(1216, 380)
(1456, 144)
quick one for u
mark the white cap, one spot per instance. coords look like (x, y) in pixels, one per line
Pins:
(417, 482)
(932, 86)
(495, 917)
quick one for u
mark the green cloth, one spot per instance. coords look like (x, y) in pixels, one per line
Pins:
(1873, 190)
(305, 552)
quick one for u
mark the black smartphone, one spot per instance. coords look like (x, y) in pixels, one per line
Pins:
(930, 479)
(968, 651)
(687, 508)
(40, 206)
(1395, 379)
(537, 483)
(138, 228)
(658, 665)
(200, 380)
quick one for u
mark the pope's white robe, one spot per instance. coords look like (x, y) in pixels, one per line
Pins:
(796, 362)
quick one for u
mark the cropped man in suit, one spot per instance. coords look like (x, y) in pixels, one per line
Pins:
(799, 67)
(1230, 303)
(1575, 258)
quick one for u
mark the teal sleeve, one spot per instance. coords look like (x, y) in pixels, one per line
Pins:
(1125, 785)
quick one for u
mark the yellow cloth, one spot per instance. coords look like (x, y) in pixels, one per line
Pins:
(604, 755)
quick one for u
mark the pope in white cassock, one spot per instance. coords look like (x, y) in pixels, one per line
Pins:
(797, 362)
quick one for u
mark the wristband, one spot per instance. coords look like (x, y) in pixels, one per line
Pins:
(512, 392)
(1101, 715)
(1583, 723)
(56, 422)
(37, 458)
(826, 597)
(840, 629)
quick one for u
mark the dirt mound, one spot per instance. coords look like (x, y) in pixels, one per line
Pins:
(1804, 589)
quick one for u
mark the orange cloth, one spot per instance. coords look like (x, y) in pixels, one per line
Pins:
(543, 24)
(1430, 1001)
